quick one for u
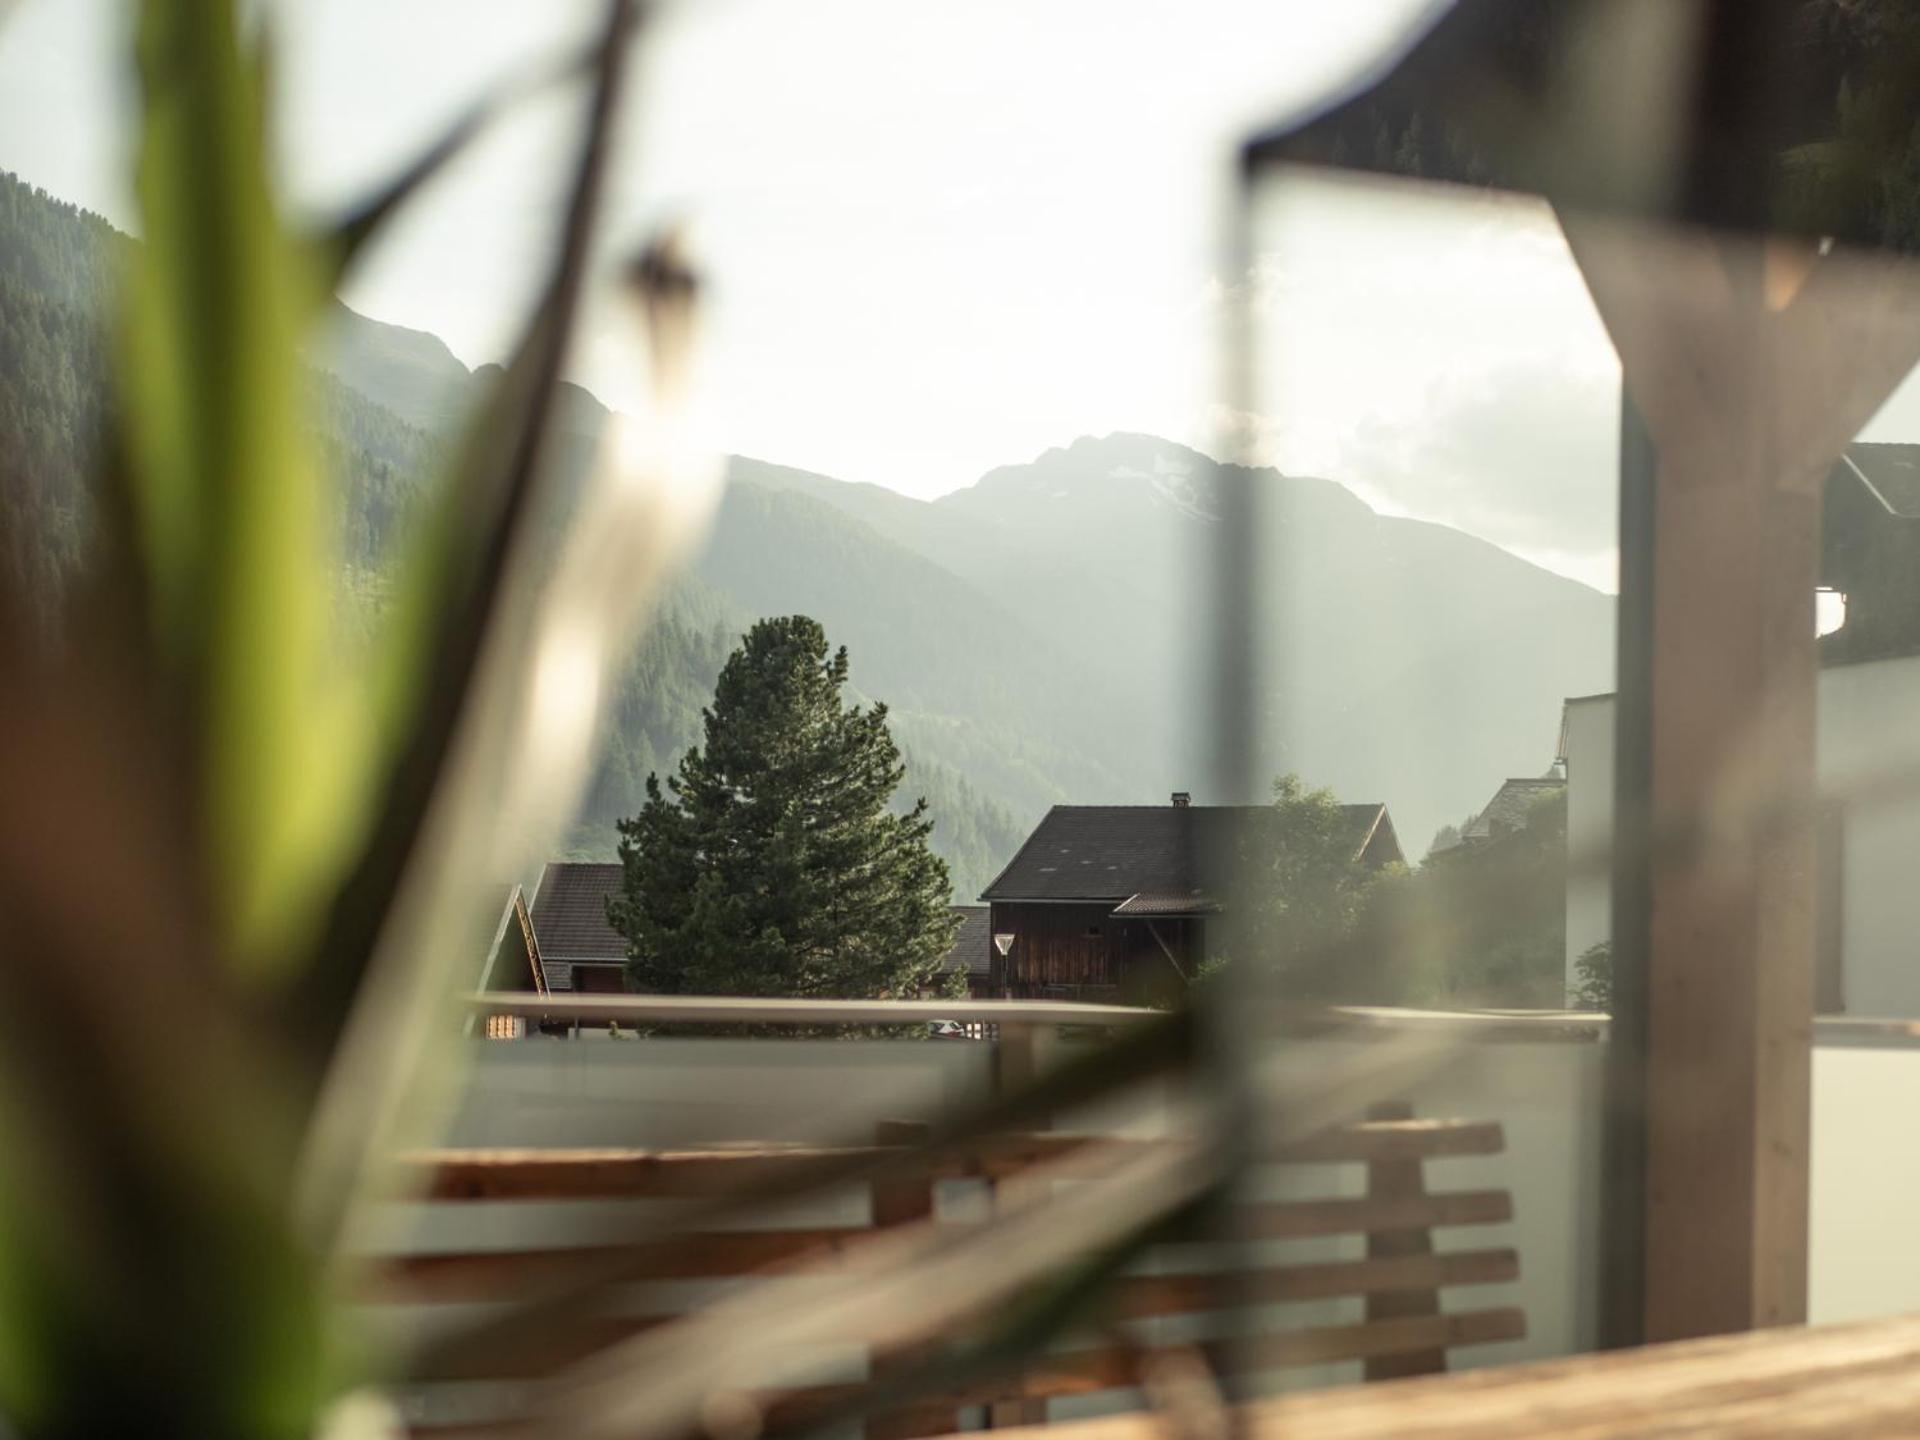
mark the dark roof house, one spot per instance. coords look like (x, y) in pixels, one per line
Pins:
(579, 948)
(1510, 806)
(1148, 857)
(1112, 902)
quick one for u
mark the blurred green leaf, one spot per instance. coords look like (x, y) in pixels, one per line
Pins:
(450, 616)
(226, 492)
(430, 641)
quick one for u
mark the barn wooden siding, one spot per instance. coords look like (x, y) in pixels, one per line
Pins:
(1079, 951)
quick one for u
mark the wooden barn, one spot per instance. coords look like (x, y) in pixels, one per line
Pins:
(1111, 902)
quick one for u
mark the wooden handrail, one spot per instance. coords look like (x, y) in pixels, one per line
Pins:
(488, 1275)
(730, 1010)
(608, 1173)
(635, 1174)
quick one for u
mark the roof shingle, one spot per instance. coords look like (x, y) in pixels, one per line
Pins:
(570, 914)
(972, 950)
(1510, 805)
(1117, 852)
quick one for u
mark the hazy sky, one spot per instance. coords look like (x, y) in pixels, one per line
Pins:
(947, 236)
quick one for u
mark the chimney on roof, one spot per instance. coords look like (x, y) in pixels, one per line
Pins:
(1182, 799)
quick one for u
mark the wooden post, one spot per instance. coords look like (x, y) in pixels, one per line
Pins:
(1016, 1060)
(904, 1200)
(1015, 1057)
(1399, 1180)
(1623, 1139)
(1752, 374)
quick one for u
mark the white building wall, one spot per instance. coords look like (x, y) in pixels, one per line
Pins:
(1547, 1095)
(1870, 734)
(1869, 727)
(1589, 745)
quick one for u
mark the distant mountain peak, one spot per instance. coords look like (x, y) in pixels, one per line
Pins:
(1128, 448)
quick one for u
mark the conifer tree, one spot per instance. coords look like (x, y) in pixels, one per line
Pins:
(771, 864)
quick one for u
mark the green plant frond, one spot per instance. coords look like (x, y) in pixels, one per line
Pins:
(452, 644)
(227, 494)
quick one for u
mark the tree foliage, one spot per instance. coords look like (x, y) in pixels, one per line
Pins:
(1483, 923)
(772, 863)
(1309, 898)
(1593, 979)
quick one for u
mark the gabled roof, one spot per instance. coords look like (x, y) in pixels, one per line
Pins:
(1508, 808)
(972, 950)
(513, 960)
(1150, 904)
(1890, 473)
(1119, 852)
(570, 914)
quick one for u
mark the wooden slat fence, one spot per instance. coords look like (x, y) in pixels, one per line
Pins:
(1399, 1279)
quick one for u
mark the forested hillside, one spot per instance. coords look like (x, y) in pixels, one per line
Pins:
(57, 266)
(1040, 637)
(57, 269)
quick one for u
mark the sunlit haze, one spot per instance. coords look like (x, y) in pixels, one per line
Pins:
(945, 238)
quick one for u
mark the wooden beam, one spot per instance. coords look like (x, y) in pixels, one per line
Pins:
(632, 1174)
(1749, 389)
(1140, 1297)
(904, 1201)
(1854, 1381)
(1400, 1178)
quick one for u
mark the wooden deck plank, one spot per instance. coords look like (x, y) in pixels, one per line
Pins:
(1850, 1380)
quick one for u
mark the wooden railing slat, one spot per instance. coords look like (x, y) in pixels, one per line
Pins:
(635, 1174)
(470, 1276)
(899, 1177)
(1331, 1344)
(709, 1255)
(1393, 1140)
(681, 1174)
(1143, 1296)
(1308, 1219)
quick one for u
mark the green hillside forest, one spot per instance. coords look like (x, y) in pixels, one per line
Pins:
(57, 268)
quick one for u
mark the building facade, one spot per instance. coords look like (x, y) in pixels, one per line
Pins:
(1113, 902)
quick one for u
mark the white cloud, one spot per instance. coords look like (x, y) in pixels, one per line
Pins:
(1526, 456)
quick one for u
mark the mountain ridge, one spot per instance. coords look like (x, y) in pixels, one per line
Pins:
(1040, 635)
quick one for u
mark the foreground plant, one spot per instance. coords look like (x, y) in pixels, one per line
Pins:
(226, 844)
